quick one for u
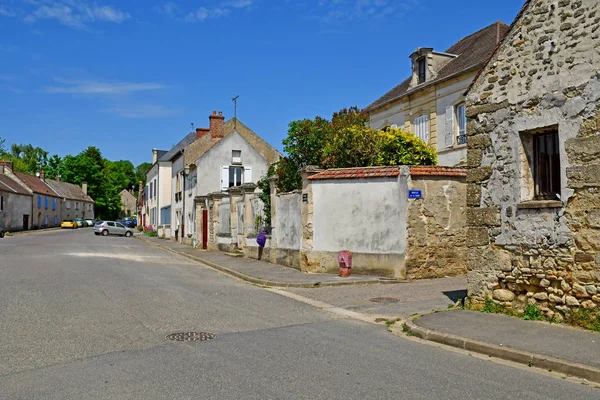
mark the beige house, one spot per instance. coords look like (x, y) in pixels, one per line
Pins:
(15, 201)
(75, 202)
(431, 102)
(128, 203)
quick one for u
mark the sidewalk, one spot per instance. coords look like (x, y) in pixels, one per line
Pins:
(261, 272)
(553, 347)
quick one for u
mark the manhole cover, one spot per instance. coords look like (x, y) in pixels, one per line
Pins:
(385, 300)
(191, 336)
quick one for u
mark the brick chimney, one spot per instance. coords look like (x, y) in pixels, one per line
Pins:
(84, 187)
(42, 176)
(7, 165)
(217, 125)
(201, 132)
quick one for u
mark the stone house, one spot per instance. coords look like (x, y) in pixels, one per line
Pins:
(15, 201)
(128, 203)
(75, 202)
(431, 102)
(533, 192)
(46, 204)
(226, 155)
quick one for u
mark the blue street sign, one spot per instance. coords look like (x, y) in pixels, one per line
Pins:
(414, 194)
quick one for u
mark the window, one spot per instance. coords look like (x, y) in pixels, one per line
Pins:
(119, 225)
(68, 204)
(461, 121)
(546, 166)
(422, 69)
(46, 203)
(422, 128)
(39, 201)
(56, 220)
(165, 215)
(236, 156)
(46, 220)
(151, 187)
(235, 176)
(155, 188)
(110, 223)
(1, 203)
(53, 204)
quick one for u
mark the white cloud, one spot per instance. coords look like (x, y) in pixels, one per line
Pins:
(143, 111)
(201, 14)
(335, 11)
(5, 12)
(100, 88)
(74, 13)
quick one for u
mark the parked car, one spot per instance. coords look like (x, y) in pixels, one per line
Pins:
(89, 222)
(80, 222)
(106, 228)
(69, 224)
(1, 232)
(130, 222)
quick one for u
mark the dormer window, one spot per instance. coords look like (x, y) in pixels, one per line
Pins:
(422, 69)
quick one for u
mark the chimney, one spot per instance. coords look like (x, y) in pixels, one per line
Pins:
(84, 187)
(42, 176)
(201, 132)
(6, 164)
(217, 125)
(154, 156)
(141, 186)
(58, 178)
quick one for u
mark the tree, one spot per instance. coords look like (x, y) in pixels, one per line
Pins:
(52, 168)
(26, 158)
(141, 171)
(397, 147)
(2, 148)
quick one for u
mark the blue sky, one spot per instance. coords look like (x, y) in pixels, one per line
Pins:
(130, 75)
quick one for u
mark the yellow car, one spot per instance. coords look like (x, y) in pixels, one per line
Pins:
(69, 225)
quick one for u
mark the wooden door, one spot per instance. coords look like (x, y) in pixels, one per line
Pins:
(204, 229)
(25, 222)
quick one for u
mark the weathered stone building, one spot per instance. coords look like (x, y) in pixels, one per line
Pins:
(128, 203)
(533, 192)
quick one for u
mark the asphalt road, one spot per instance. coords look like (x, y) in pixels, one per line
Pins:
(85, 317)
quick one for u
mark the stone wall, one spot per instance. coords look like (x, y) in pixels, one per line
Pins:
(543, 75)
(436, 228)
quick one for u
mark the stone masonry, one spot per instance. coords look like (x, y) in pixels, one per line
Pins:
(544, 75)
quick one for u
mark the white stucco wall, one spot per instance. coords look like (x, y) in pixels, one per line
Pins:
(394, 115)
(15, 206)
(176, 206)
(209, 164)
(164, 186)
(366, 216)
(450, 95)
(288, 225)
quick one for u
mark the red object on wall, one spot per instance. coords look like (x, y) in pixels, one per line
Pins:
(204, 229)
(345, 262)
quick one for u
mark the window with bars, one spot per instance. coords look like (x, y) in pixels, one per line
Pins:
(422, 128)
(546, 166)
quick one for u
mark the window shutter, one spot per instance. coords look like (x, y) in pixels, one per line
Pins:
(224, 178)
(247, 174)
(39, 201)
(449, 126)
(426, 129)
(53, 204)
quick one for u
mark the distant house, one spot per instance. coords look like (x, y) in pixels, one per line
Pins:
(225, 155)
(431, 102)
(75, 202)
(128, 203)
(46, 205)
(15, 201)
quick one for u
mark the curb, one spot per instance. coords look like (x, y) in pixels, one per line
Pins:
(265, 282)
(505, 353)
(33, 232)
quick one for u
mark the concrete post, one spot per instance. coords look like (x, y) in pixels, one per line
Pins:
(273, 196)
(307, 212)
(248, 195)
(214, 203)
(235, 196)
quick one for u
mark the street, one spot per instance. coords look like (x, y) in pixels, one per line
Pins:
(86, 317)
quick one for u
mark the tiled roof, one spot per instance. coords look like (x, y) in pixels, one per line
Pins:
(68, 190)
(169, 155)
(36, 184)
(9, 185)
(437, 171)
(357, 173)
(472, 52)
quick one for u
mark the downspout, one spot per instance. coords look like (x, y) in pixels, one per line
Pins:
(158, 196)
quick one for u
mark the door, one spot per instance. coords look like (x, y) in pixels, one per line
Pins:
(119, 229)
(25, 222)
(204, 229)
(112, 229)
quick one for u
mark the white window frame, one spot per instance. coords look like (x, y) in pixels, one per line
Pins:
(421, 127)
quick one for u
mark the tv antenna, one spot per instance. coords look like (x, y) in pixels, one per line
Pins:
(235, 110)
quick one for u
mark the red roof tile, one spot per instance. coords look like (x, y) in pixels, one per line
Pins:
(437, 171)
(36, 184)
(357, 173)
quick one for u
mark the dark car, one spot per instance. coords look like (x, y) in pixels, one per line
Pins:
(128, 222)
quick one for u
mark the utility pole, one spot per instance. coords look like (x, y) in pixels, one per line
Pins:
(235, 110)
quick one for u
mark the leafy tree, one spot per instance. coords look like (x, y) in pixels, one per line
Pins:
(52, 168)
(397, 147)
(2, 148)
(141, 171)
(27, 158)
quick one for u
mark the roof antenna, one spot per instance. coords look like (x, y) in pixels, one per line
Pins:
(235, 111)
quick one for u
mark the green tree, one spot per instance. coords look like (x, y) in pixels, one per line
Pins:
(26, 158)
(397, 147)
(52, 168)
(2, 148)
(141, 171)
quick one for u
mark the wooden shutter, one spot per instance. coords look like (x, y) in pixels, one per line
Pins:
(247, 174)
(224, 178)
(449, 126)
